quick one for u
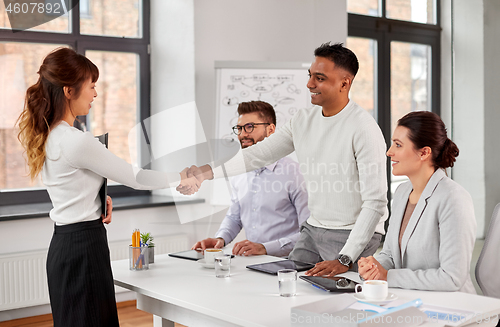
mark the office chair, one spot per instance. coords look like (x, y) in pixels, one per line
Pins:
(488, 264)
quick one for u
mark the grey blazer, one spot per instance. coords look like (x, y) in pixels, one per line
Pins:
(438, 241)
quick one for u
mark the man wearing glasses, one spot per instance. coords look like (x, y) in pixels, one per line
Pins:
(269, 202)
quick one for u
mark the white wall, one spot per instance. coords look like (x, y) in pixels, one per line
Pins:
(491, 106)
(259, 30)
(468, 113)
(476, 76)
(446, 66)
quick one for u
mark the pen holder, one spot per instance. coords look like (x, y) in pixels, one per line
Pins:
(138, 258)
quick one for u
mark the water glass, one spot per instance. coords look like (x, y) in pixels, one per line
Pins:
(287, 279)
(222, 265)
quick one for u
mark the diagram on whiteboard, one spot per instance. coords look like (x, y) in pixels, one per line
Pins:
(284, 89)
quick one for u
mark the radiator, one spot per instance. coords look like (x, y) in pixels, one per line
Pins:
(23, 279)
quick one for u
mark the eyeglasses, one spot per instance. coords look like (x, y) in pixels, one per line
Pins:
(247, 127)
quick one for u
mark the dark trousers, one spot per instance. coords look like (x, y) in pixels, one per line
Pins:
(79, 275)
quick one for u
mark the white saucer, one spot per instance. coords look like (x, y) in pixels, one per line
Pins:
(206, 265)
(390, 297)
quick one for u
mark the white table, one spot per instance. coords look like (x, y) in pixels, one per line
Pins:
(183, 291)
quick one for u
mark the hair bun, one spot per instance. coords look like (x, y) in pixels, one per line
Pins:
(448, 154)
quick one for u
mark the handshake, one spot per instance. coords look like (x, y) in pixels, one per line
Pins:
(192, 177)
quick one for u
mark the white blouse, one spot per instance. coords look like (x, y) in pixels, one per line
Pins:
(74, 170)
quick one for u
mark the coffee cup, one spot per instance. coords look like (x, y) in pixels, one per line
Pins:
(210, 255)
(374, 290)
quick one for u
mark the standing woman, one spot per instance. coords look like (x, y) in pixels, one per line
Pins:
(432, 230)
(73, 164)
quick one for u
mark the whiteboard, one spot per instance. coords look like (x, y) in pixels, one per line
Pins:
(282, 84)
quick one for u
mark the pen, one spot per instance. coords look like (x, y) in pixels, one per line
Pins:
(138, 242)
(140, 260)
(141, 256)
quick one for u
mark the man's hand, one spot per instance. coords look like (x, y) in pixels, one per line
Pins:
(189, 184)
(109, 211)
(369, 269)
(208, 243)
(247, 248)
(192, 177)
(327, 268)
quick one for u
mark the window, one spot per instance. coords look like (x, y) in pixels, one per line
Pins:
(418, 11)
(366, 7)
(398, 47)
(19, 63)
(108, 16)
(85, 9)
(116, 42)
(115, 110)
(364, 88)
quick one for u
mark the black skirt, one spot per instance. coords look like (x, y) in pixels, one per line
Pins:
(79, 275)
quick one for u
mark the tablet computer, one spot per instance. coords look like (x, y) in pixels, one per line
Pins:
(273, 267)
(189, 254)
(331, 284)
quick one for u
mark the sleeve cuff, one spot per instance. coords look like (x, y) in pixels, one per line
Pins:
(227, 239)
(218, 172)
(279, 248)
(272, 248)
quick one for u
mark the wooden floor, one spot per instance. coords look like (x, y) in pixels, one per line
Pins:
(128, 315)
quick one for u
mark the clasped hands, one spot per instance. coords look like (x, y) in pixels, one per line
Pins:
(369, 269)
(192, 177)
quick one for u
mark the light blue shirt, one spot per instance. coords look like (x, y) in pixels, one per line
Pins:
(271, 204)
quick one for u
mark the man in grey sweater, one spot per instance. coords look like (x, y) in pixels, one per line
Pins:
(341, 151)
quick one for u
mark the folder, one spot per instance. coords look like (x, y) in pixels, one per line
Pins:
(103, 191)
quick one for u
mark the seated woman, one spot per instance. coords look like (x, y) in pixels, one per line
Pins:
(432, 230)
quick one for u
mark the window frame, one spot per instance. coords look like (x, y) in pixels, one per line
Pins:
(81, 43)
(386, 30)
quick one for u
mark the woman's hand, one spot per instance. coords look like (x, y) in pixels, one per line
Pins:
(369, 268)
(188, 185)
(192, 177)
(109, 210)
